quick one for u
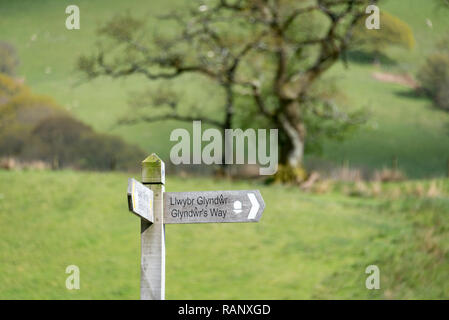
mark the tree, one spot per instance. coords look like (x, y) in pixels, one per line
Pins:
(265, 55)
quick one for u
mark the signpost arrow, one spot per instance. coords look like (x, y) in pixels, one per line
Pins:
(140, 200)
(213, 206)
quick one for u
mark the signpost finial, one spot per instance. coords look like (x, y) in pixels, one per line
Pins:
(153, 170)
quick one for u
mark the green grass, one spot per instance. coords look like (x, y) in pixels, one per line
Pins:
(400, 126)
(305, 246)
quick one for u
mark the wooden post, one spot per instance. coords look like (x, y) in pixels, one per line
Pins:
(152, 235)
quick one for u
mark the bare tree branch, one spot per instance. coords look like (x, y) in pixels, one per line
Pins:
(173, 116)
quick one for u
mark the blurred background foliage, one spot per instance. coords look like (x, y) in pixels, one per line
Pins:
(35, 128)
(9, 59)
(434, 75)
(377, 195)
(393, 32)
(398, 122)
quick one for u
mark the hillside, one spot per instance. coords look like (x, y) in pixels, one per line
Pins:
(305, 246)
(400, 125)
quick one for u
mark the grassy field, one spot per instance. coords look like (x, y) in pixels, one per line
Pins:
(305, 246)
(400, 125)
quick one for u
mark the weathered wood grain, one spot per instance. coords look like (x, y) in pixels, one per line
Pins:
(152, 277)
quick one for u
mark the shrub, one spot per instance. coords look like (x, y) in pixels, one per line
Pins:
(35, 128)
(8, 59)
(13, 139)
(29, 109)
(287, 174)
(58, 140)
(67, 142)
(20, 112)
(393, 32)
(9, 87)
(19, 106)
(106, 152)
(434, 79)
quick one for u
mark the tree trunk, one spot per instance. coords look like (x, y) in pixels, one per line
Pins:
(292, 152)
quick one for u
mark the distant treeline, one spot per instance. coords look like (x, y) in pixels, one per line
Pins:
(35, 128)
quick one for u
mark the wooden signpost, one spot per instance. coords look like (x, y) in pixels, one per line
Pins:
(155, 207)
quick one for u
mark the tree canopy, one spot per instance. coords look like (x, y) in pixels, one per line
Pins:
(265, 55)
